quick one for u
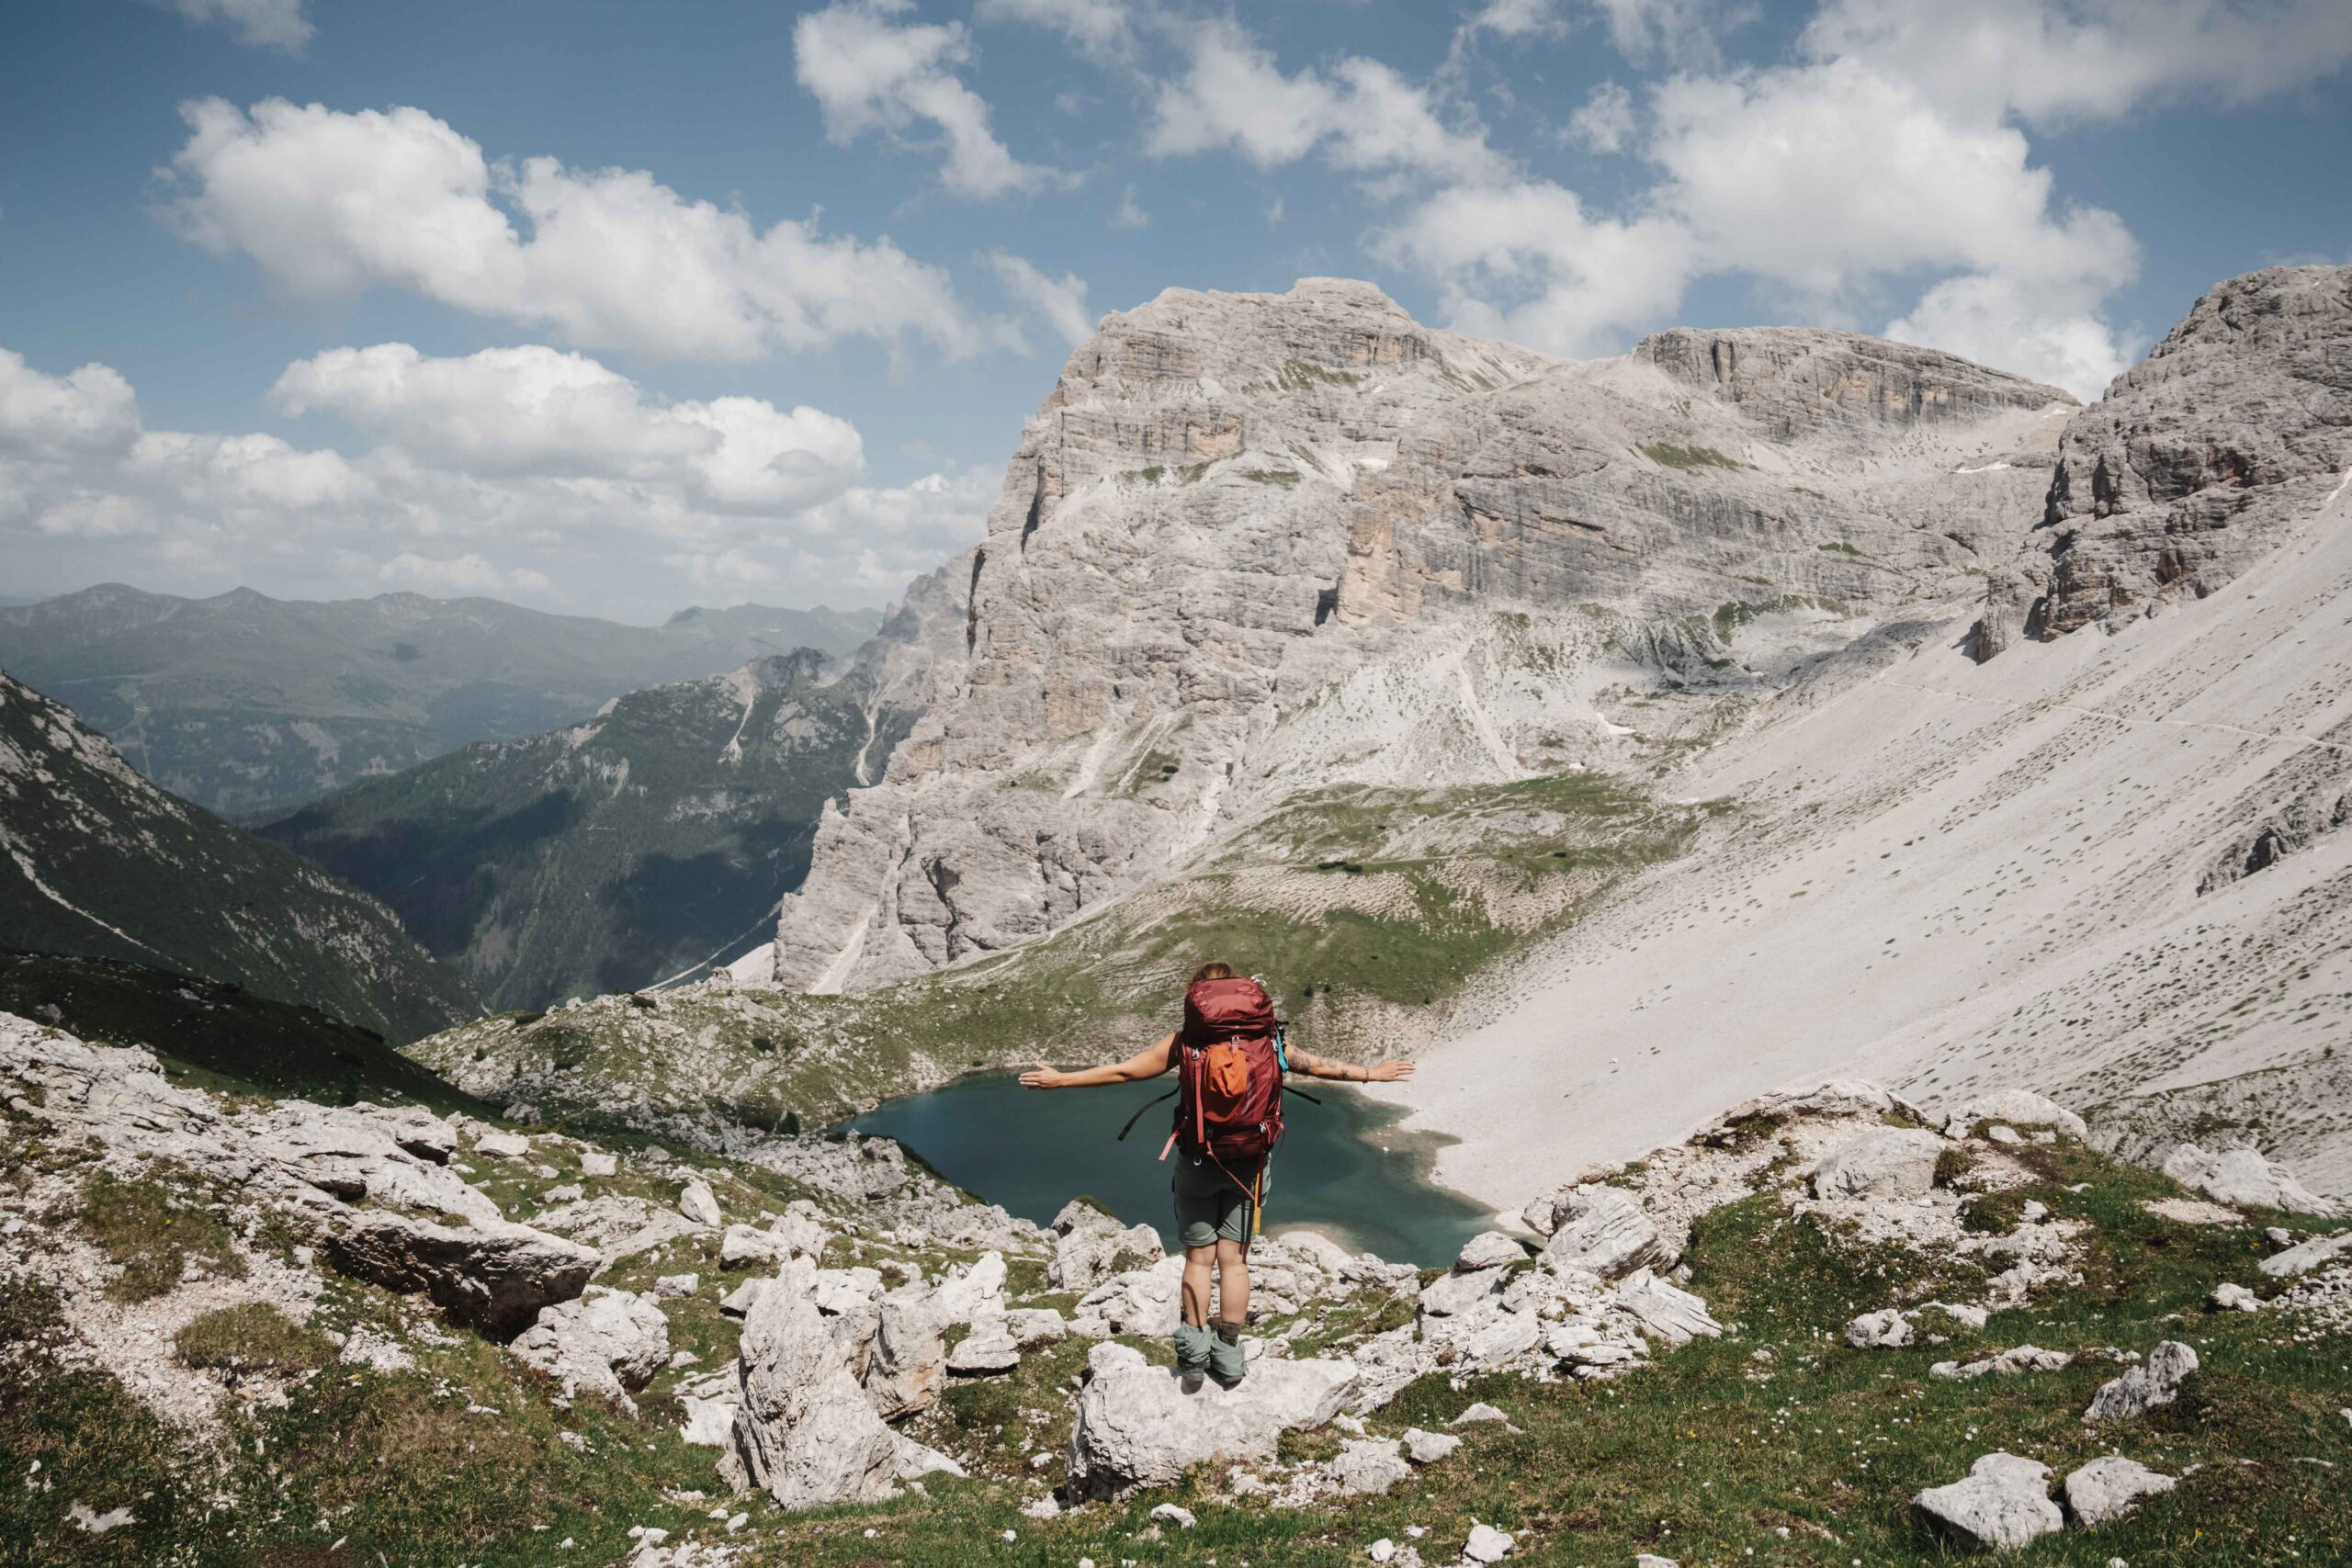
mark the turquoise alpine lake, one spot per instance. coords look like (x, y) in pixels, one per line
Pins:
(1343, 1168)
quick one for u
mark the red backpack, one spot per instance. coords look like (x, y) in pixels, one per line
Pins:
(1229, 1080)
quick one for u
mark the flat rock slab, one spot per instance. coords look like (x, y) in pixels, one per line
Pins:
(2109, 1487)
(2307, 1256)
(1489, 1250)
(2002, 1503)
(1137, 1426)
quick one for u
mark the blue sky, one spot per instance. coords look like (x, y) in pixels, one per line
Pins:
(616, 307)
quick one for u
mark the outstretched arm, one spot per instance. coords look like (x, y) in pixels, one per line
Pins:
(1147, 1063)
(1316, 1066)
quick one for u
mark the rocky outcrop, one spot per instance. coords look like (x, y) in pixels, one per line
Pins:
(316, 1167)
(1137, 1426)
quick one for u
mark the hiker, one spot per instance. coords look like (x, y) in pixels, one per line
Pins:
(1230, 1056)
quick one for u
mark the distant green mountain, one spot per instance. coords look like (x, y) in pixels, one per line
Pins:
(611, 855)
(251, 706)
(219, 1035)
(97, 862)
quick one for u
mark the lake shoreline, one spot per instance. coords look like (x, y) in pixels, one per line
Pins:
(1347, 1169)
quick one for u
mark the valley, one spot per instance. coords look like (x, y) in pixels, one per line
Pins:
(250, 706)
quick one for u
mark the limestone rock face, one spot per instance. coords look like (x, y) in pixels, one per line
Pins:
(1137, 1426)
(908, 1364)
(2002, 1503)
(1230, 504)
(2202, 456)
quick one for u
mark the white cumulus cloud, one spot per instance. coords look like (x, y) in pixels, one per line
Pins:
(266, 24)
(869, 72)
(536, 410)
(1361, 116)
(1059, 302)
(526, 471)
(2053, 61)
(328, 204)
(1102, 30)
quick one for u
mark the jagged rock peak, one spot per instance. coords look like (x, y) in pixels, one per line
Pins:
(2197, 461)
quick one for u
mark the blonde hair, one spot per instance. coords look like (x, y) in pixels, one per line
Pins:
(1212, 972)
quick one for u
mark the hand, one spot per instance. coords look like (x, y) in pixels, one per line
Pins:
(1041, 1077)
(1388, 1072)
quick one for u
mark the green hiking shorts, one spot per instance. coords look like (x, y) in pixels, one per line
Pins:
(1210, 1204)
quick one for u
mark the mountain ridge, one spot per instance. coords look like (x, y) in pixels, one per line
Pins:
(250, 704)
(89, 842)
(647, 841)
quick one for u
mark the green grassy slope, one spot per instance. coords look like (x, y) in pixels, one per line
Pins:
(609, 856)
(1776, 1445)
(101, 863)
(250, 706)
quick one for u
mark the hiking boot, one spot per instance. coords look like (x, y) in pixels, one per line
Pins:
(1193, 1351)
(1228, 1363)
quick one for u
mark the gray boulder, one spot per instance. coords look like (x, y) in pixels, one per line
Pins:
(1428, 1448)
(1090, 1247)
(2016, 1108)
(804, 1430)
(1137, 1426)
(2110, 1487)
(1032, 1326)
(1664, 1312)
(1450, 1295)
(1885, 1330)
(907, 1365)
(2002, 1503)
(495, 1277)
(988, 1351)
(1885, 1162)
(1367, 1466)
(610, 1341)
(1489, 1250)
(2154, 1381)
(1603, 1230)
(697, 1204)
